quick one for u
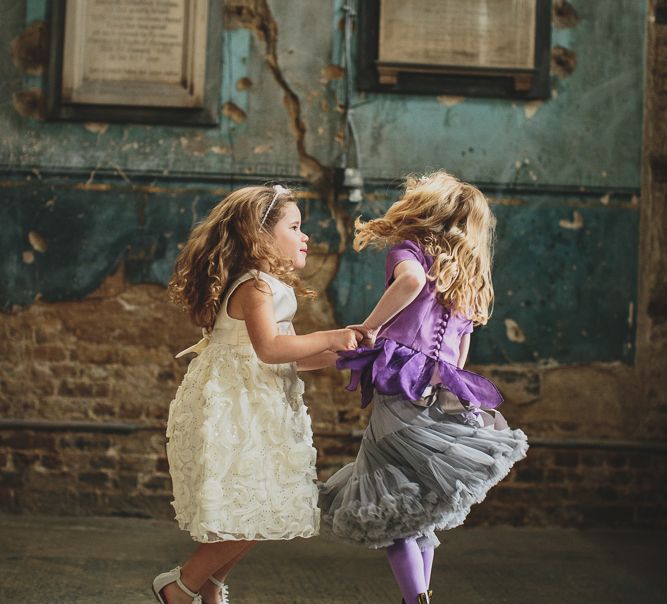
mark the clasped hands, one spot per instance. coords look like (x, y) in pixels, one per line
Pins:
(365, 335)
(351, 337)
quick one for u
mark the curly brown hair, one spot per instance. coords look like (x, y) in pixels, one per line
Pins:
(451, 221)
(230, 241)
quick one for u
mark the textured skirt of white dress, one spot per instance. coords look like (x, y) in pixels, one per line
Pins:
(418, 470)
(240, 449)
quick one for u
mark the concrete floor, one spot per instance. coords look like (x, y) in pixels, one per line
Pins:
(112, 560)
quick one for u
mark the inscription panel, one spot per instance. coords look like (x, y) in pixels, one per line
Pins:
(135, 52)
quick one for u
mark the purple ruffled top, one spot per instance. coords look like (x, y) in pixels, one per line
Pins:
(425, 334)
(393, 368)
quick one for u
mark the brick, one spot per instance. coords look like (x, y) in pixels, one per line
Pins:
(159, 483)
(64, 370)
(103, 462)
(75, 389)
(21, 439)
(85, 443)
(94, 478)
(50, 462)
(554, 476)
(11, 479)
(567, 459)
(638, 460)
(651, 516)
(530, 474)
(14, 388)
(620, 477)
(8, 501)
(616, 460)
(590, 458)
(104, 409)
(509, 494)
(49, 352)
(94, 353)
(136, 463)
(126, 481)
(607, 493)
(608, 515)
(23, 460)
(86, 501)
(166, 375)
(575, 476)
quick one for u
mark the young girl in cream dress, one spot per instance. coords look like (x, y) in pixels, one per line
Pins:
(239, 445)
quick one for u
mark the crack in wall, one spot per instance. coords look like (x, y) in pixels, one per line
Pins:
(256, 16)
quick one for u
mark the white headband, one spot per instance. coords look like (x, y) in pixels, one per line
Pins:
(279, 190)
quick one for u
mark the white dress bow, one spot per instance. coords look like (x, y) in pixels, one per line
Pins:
(199, 346)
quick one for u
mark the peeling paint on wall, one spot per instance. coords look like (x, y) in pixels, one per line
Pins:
(530, 108)
(96, 127)
(449, 100)
(513, 331)
(575, 224)
(332, 72)
(234, 112)
(244, 83)
(30, 103)
(564, 15)
(563, 62)
(30, 50)
(37, 242)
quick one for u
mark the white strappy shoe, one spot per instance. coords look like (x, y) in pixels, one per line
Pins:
(174, 575)
(224, 590)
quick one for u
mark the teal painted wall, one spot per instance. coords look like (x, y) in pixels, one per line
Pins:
(563, 175)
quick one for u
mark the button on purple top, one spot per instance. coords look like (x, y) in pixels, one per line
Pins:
(409, 346)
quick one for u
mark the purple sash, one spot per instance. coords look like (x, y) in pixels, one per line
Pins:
(392, 368)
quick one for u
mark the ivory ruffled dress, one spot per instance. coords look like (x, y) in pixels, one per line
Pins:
(435, 443)
(239, 446)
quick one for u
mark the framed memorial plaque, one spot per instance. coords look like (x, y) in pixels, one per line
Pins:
(460, 47)
(135, 61)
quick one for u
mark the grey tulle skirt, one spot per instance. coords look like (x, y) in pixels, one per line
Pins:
(418, 470)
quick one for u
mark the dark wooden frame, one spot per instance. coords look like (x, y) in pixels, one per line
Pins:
(207, 115)
(460, 81)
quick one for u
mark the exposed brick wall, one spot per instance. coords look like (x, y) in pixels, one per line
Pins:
(109, 358)
(127, 474)
(581, 488)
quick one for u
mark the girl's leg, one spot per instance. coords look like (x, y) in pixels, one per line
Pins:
(209, 591)
(427, 558)
(405, 560)
(207, 559)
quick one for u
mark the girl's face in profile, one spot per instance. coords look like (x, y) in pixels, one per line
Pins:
(291, 242)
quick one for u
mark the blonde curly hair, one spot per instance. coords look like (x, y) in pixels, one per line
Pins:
(451, 221)
(230, 241)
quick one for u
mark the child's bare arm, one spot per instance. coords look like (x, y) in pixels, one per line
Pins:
(256, 306)
(317, 361)
(409, 279)
(464, 347)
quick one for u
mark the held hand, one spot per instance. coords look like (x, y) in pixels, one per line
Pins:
(344, 339)
(369, 335)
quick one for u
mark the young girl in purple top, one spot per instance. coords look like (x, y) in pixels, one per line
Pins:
(435, 443)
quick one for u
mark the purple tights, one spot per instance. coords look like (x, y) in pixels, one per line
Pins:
(411, 567)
